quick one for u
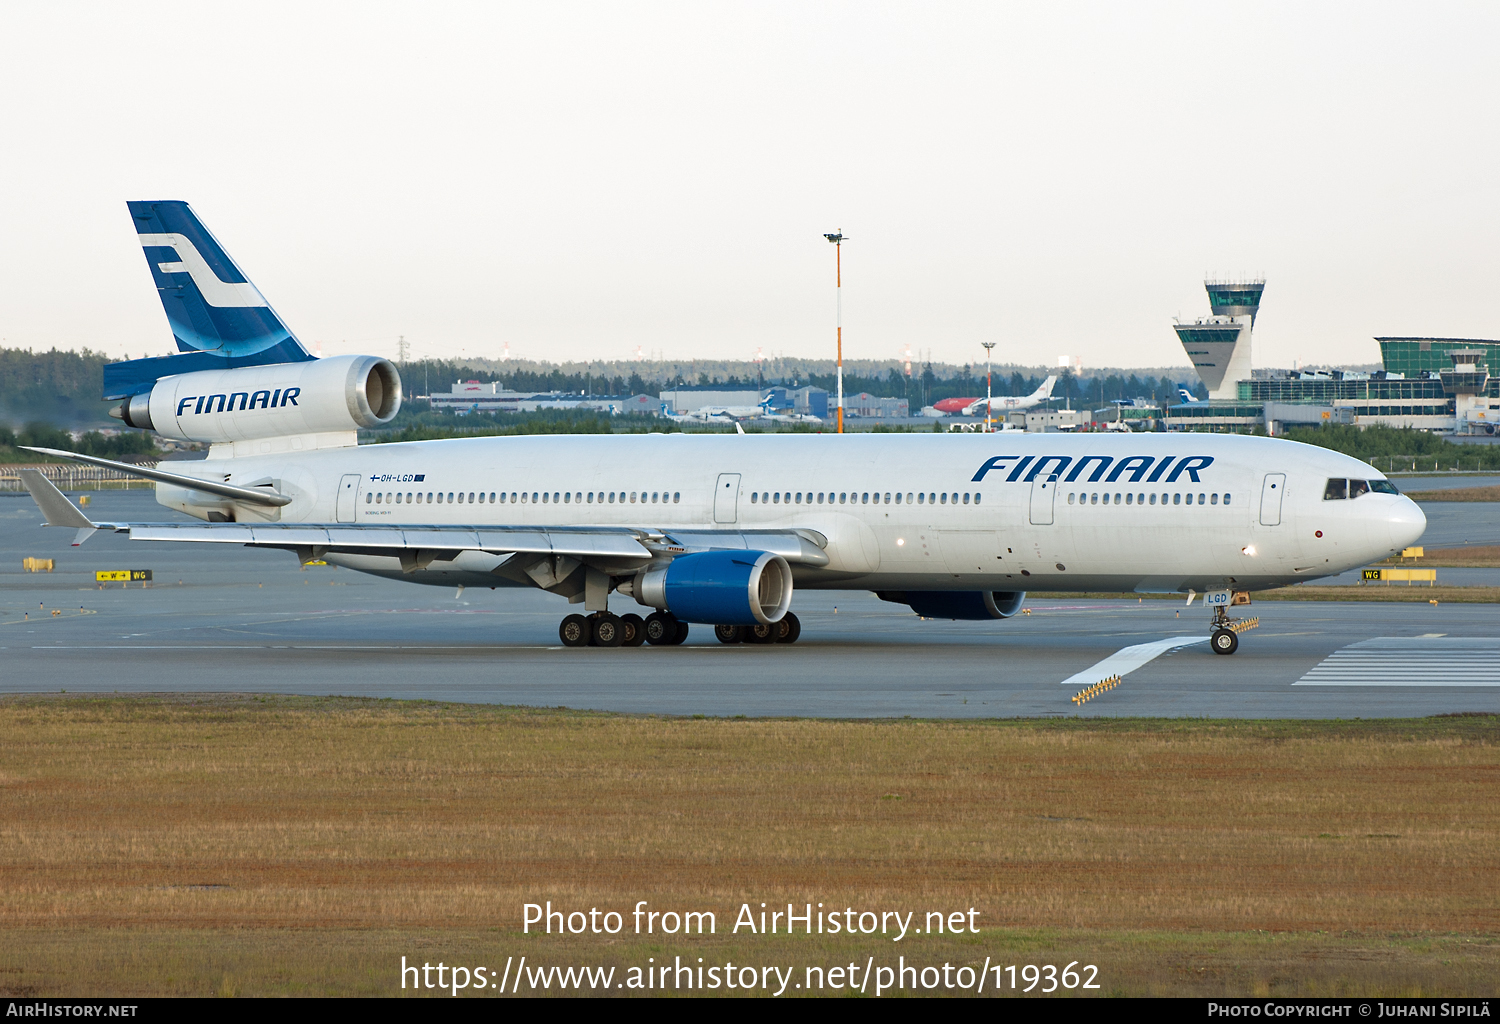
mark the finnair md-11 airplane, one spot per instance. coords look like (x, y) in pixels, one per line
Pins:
(719, 529)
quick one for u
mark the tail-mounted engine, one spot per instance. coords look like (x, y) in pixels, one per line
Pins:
(342, 393)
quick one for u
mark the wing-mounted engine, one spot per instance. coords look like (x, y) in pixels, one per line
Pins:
(958, 604)
(740, 588)
(324, 401)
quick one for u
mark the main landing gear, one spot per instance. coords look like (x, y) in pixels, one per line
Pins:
(663, 629)
(785, 631)
(601, 629)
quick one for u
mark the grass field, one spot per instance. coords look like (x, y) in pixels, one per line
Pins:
(1457, 494)
(1417, 592)
(226, 844)
(1478, 556)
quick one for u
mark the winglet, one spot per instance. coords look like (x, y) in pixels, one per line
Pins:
(56, 506)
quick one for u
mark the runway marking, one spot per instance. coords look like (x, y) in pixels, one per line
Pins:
(1410, 661)
(1128, 659)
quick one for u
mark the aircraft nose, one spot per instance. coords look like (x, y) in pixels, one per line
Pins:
(1406, 523)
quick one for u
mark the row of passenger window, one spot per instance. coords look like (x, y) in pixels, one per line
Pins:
(857, 498)
(523, 497)
(1176, 498)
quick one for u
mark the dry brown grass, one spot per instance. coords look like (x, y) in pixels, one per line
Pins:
(1476, 557)
(277, 825)
(1420, 593)
(1458, 494)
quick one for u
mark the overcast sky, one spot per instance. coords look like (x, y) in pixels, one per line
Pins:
(577, 180)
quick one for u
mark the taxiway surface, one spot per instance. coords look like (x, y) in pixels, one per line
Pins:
(244, 620)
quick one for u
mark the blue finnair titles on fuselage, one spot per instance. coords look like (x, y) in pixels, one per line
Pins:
(1143, 512)
(218, 318)
(1130, 469)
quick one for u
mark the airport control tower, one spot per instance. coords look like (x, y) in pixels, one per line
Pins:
(1219, 346)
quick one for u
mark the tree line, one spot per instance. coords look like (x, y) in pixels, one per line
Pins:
(921, 389)
(46, 435)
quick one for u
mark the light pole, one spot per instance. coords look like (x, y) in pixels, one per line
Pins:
(837, 238)
(988, 346)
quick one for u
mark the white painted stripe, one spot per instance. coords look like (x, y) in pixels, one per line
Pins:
(1424, 661)
(1128, 659)
(1397, 682)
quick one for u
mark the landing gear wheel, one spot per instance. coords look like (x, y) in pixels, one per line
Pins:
(761, 633)
(728, 634)
(574, 631)
(682, 633)
(1224, 641)
(788, 629)
(635, 630)
(660, 629)
(608, 632)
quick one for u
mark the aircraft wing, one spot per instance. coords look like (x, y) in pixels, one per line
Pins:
(614, 548)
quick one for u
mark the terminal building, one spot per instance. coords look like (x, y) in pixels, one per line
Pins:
(1442, 385)
(471, 396)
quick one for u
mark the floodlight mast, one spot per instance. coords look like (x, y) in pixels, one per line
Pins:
(837, 238)
(988, 392)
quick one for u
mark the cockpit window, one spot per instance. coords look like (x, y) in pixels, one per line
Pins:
(1338, 490)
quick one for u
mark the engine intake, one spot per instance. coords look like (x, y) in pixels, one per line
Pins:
(968, 605)
(251, 402)
(721, 588)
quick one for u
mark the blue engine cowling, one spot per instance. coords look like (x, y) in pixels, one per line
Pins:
(721, 588)
(945, 604)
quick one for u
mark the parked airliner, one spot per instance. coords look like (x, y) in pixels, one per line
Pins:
(712, 529)
(976, 406)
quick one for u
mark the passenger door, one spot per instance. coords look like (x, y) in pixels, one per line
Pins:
(1270, 499)
(727, 498)
(1043, 494)
(348, 492)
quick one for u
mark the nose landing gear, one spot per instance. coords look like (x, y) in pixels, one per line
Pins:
(1225, 638)
(1224, 641)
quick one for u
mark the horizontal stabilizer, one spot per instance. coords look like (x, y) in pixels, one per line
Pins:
(137, 376)
(253, 495)
(56, 506)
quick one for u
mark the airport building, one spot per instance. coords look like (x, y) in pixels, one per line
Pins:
(1439, 384)
(1461, 397)
(1219, 347)
(471, 396)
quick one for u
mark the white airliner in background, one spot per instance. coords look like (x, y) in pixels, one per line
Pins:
(712, 529)
(998, 403)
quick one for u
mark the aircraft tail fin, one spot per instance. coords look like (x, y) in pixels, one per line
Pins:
(1045, 391)
(1187, 396)
(218, 317)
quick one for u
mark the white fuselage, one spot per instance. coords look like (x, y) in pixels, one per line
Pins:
(898, 511)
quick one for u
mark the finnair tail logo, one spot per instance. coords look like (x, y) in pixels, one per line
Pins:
(190, 261)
